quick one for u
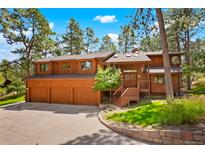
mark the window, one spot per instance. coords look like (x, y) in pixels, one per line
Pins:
(175, 60)
(87, 65)
(66, 66)
(130, 77)
(127, 77)
(44, 67)
(159, 79)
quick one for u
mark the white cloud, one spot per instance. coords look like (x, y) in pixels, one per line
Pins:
(113, 36)
(106, 18)
(51, 25)
(5, 50)
(28, 32)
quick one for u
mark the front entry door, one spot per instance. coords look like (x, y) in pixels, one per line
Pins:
(130, 80)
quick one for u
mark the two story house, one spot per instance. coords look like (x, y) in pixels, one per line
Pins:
(69, 79)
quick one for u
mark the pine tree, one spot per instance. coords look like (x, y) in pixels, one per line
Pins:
(28, 28)
(90, 40)
(126, 39)
(73, 38)
(107, 44)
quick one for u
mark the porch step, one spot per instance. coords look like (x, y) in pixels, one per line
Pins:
(119, 103)
(130, 94)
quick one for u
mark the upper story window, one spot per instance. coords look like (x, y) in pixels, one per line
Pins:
(87, 65)
(66, 66)
(175, 60)
(159, 79)
(44, 67)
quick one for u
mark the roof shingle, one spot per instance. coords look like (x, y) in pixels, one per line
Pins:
(77, 57)
(121, 58)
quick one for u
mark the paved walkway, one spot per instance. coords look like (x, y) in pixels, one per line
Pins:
(38, 123)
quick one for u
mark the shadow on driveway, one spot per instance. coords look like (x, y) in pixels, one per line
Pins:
(91, 111)
(104, 137)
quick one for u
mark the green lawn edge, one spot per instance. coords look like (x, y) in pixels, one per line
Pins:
(159, 113)
(12, 100)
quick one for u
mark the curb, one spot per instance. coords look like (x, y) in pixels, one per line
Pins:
(167, 137)
(7, 105)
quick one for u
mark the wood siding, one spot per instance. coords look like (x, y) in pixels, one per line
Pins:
(78, 91)
(157, 61)
(62, 91)
(160, 88)
(74, 67)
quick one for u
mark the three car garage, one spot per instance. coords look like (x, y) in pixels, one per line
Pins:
(62, 90)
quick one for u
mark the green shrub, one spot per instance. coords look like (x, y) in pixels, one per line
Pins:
(173, 112)
(107, 79)
(183, 111)
(199, 86)
(17, 87)
(2, 91)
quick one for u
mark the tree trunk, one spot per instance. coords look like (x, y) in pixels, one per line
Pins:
(166, 59)
(188, 59)
(178, 43)
(28, 69)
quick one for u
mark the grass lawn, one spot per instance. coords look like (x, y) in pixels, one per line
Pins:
(11, 100)
(143, 115)
(159, 113)
(199, 86)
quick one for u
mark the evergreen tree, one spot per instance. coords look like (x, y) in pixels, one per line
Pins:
(151, 43)
(90, 40)
(73, 38)
(183, 25)
(107, 44)
(28, 28)
(144, 22)
(126, 39)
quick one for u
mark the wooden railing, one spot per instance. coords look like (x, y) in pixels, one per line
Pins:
(130, 94)
(117, 90)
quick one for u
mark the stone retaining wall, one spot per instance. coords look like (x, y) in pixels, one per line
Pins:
(158, 136)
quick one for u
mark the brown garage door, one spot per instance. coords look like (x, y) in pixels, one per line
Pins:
(61, 95)
(62, 91)
(85, 96)
(39, 94)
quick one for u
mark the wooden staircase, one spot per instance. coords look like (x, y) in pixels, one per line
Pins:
(123, 96)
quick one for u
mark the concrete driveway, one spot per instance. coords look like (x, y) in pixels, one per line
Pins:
(38, 123)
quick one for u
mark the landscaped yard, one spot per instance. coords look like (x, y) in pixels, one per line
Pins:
(160, 113)
(11, 99)
(199, 86)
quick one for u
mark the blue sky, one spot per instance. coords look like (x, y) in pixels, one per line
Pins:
(103, 21)
(86, 18)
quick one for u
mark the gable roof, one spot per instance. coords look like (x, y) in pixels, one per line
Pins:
(131, 57)
(92, 55)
